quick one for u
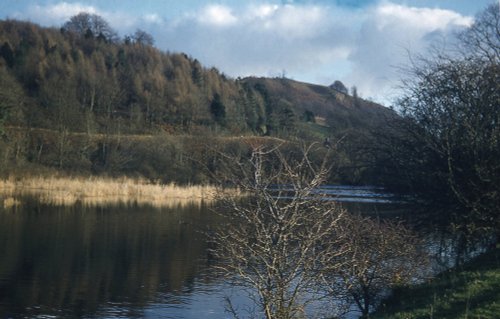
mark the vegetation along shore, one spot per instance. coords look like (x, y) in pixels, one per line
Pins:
(470, 291)
(92, 191)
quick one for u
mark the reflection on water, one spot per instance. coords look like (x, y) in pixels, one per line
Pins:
(112, 262)
(346, 194)
(357, 194)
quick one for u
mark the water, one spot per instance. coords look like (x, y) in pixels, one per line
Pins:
(358, 194)
(107, 262)
(114, 262)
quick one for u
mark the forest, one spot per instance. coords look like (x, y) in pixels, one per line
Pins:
(78, 99)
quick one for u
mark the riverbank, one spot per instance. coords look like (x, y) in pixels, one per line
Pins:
(92, 191)
(472, 291)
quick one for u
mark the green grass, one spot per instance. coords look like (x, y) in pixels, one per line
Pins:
(315, 130)
(472, 291)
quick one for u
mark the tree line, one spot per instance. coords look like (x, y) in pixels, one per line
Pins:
(81, 78)
(445, 147)
(77, 98)
(69, 96)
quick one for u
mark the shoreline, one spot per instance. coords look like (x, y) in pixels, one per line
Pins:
(469, 290)
(94, 191)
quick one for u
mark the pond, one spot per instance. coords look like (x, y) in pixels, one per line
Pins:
(117, 261)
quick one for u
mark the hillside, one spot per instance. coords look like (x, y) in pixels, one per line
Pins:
(77, 101)
(329, 107)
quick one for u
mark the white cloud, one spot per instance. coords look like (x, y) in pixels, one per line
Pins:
(427, 19)
(55, 14)
(361, 47)
(388, 34)
(297, 21)
(262, 11)
(217, 15)
(262, 39)
(152, 18)
(311, 41)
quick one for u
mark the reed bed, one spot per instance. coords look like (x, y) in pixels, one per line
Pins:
(93, 191)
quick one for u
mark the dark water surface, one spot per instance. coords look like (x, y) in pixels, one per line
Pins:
(110, 262)
(107, 262)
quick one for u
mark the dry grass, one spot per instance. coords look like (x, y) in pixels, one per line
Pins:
(10, 202)
(94, 191)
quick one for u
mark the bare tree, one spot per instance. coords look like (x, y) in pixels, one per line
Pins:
(283, 236)
(143, 38)
(339, 86)
(380, 255)
(87, 24)
(482, 39)
(451, 104)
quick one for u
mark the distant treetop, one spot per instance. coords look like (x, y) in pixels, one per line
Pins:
(339, 86)
(90, 25)
(140, 37)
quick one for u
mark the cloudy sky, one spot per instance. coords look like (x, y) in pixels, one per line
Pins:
(360, 42)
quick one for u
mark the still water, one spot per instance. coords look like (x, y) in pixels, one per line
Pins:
(109, 262)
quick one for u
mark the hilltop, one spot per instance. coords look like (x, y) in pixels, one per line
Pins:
(323, 105)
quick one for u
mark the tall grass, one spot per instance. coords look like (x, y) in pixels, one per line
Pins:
(93, 191)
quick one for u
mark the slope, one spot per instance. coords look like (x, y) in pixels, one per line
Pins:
(79, 102)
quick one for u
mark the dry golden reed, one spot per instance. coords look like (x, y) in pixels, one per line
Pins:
(93, 191)
(10, 202)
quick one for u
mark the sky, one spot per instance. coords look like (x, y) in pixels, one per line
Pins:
(363, 43)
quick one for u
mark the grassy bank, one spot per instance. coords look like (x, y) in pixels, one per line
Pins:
(99, 191)
(473, 291)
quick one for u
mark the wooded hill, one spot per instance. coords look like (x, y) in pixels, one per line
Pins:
(67, 99)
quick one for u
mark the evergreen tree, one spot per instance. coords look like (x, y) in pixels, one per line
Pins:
(218, 110)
